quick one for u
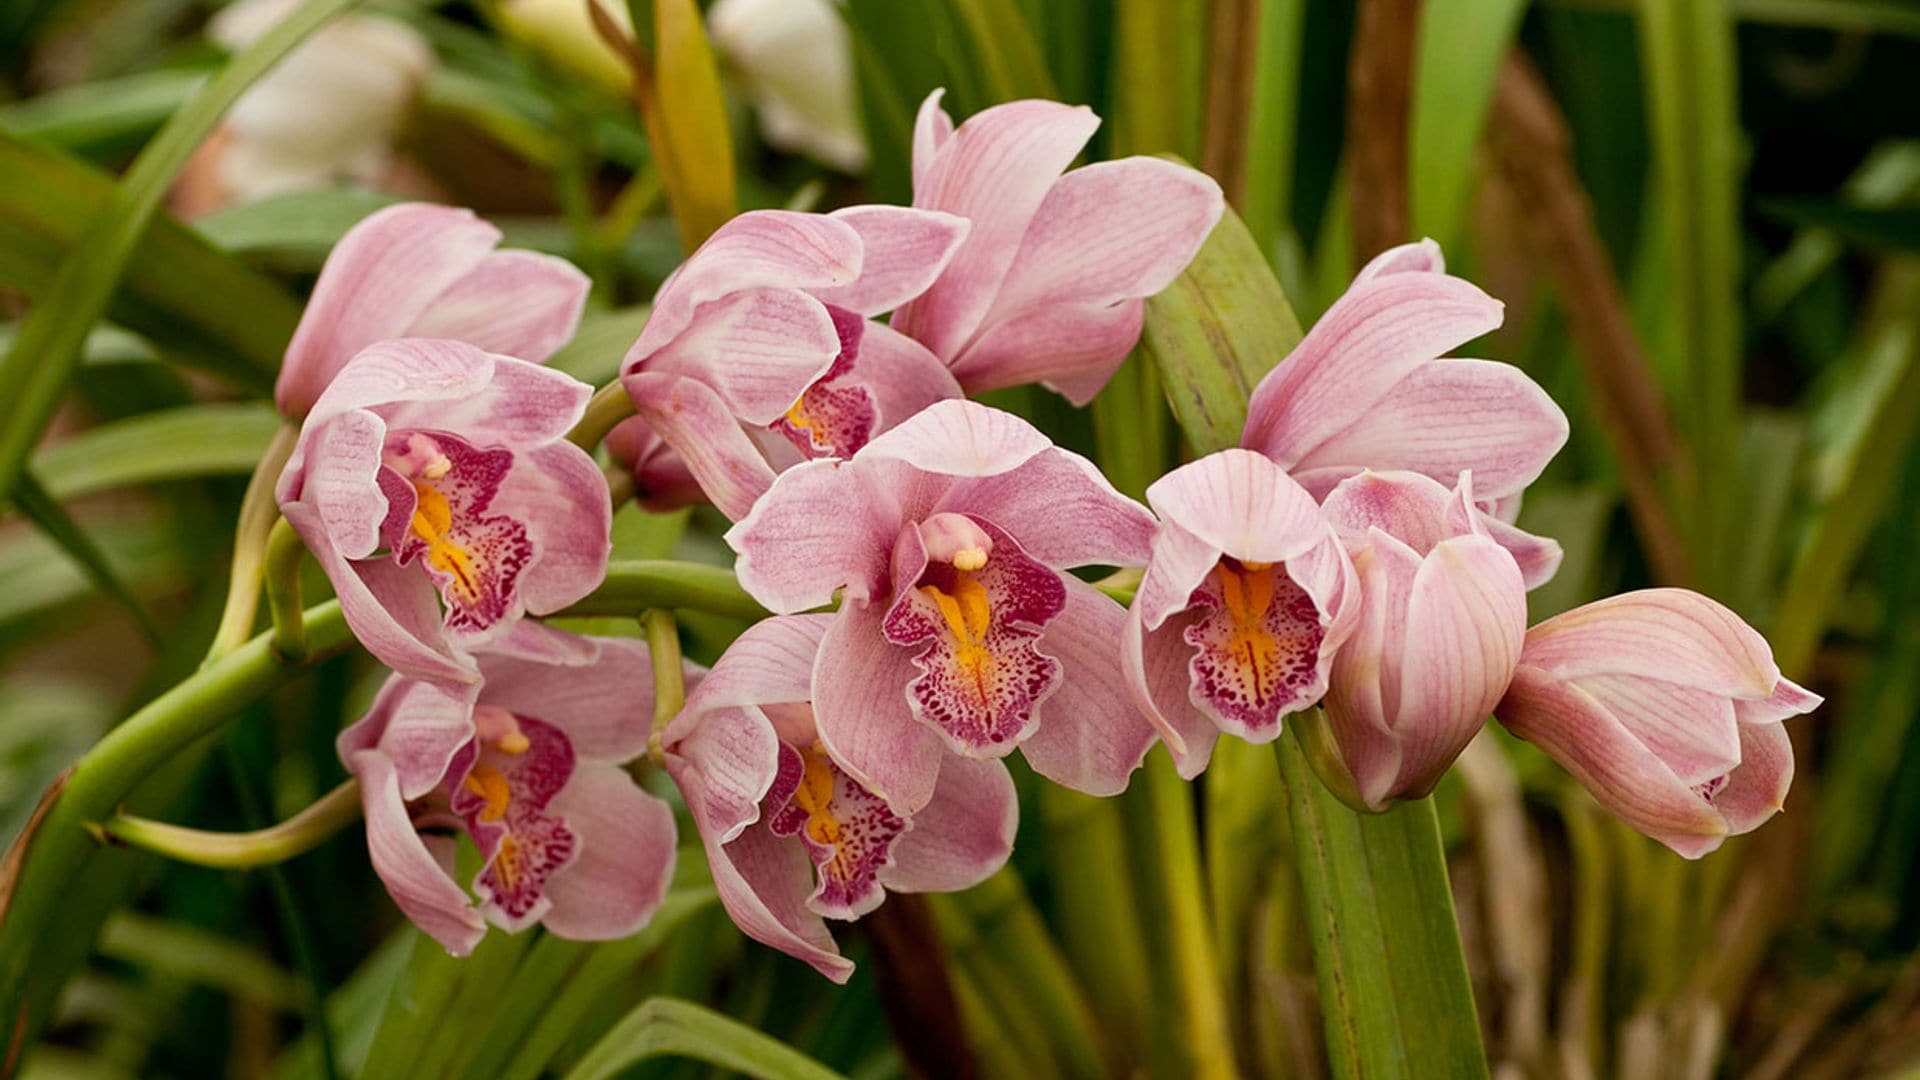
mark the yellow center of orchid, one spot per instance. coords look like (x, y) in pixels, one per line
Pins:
(968, 615)
(815, 796)
(433, 523)
(799, 417)
(506, 861)
(1247, 594)
(488, 783)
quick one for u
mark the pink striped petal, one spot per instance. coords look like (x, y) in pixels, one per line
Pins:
(1673, 635)
(1757, 788)
(708, 444)
(418, 726)
(1373, 337)
(764, 882)
(962, 836)
(406, 370)
(522, 404)
(959, 438)
(341, 480)
(758, 348)
(1364, 683)
(1615, 766)
(1787, 700)
(1450, 416)
(419, 884)
(1089, 735)
(1179, 563)
(1073, 349)
(625, 859)
(1240, 504)
(1155, 665)
(861, 712)
(1537, 556)
(1062, 510)
(995, 170)
(1693, 731)
(771, 663)
(379, 279)
(901, 374)
(902, 252)
(604, 706)
(816, 530)
(519, 303)
(1423, 257)
(760, 249)
(561, 495)
(931, 129)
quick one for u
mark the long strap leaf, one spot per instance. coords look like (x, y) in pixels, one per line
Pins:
(665, 1027)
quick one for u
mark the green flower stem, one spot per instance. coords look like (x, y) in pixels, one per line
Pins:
(284, 553)
(258, 512)
(669, 675)
(1100, 915)
(297, 835)
(637, 584)
(1393, 980)
(608, 406)
(40, 867)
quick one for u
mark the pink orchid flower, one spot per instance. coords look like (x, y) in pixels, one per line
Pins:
(1049, 285)
(434, 466)
(792, 838)
(761, 352)
(957, 631)
(1442, 613)
(527, 764)
(1668, 708)
(426, 271)
(1246, 600)
(1369, 388)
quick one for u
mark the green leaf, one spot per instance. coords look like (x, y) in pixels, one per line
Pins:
(1393, 981)
(222, 439)
(201, 307)
(52, 519)
(35, 371)
(1461, 46)
(666, 1027)
(37, 585)
(1000, 45)
(594, 354)
(1273, 122)
(103, 116)
(1888, 228)
(1216, 331)
(696, 160)
(1159, 73)
(895, 71)
(296, 227)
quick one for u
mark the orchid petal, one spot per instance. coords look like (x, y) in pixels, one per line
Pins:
(771, 663)
(959, 438)
(1089, 734)
(625, 860)
(341, 480)
(902, 375)
(1788, 699)
(605, 707)
(418, 725)
(1364, 682)
(522, 404)
(1240, 504)
(1371, 338)
(1423, 256)
(376, 282)
(903, 251)
(962, 836)
(1073, 349)
(520, 303)
(860, 709)
(561, 495)
(724, 765)
(932, 128)
(408, 370)
(1179, 563)
(758, 348)
(1538, 556)
(1674, 635)
(1062, 510)
(1757, 788)
(816, 529)
(706, 439)
(419, 884)
(1693, 731)
(764, 882)
(995, 170)
(1155, 663)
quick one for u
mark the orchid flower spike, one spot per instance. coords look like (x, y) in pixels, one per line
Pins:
(761, 352)
(1246, 600)
(957, 632)
(1442, 613)
(1050, 284)
(792, 838)
(1368, 388)
(1668, 708)
(434, 466)
(527, 764)
(425, 271)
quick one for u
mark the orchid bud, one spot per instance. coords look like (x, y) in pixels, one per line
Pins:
(1668, 708)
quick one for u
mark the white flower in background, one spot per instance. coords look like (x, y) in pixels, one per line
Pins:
(562, 31)
(794, 59)
(328, 112)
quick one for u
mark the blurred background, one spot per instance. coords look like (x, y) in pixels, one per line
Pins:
(1703, 218)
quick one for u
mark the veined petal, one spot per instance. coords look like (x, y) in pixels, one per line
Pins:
(1179, 563)
(407, 370)
(995, 170)
(1674, 635)
(1371, 338)
(1756, 789)
(818, 528)
(959, 438)
(1242, 505)
(760, 249)
(1090, 734)
(476, 556)
(1422, 257)
(1364, 683)
(625, 861)
(931, 129)
(901, 374)
(1155, 664)
(1787, 700)
(764, 881)
(341, 480)
(706, 439)
(523, 404)
(861, 712)
(520, 303)
(561, 495)
(376, 282)
(418, 726)
(1693, 731)
(1259, 653)
(960, 838)
(771, 663)
(848, 831)
(837, 413)
(418, 883)
(724, 759)
(902, 252)
(1537, 556)
(1072, 349)
(758, 348)
(1451, 416)
(1613, 764)
(605, 707)
(1062, 510)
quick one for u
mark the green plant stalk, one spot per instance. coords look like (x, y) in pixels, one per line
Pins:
(608, 406)
(297, 835)
(669, 676)
(636, 584)
(1087, 850)
(40, 866)
(258, 512)
(1010, 937)
(34, 373)
(1393, 979)
(284, 554)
